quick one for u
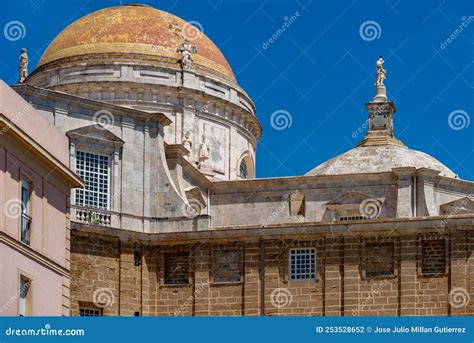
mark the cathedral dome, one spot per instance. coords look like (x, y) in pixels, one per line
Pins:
(139, 30)
(379, 158)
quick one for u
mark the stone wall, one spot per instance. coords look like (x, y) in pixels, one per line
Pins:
(366, 275)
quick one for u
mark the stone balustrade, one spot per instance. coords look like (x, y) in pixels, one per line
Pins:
(91, 216)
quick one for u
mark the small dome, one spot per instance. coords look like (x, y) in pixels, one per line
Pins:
(139, 30)
(377, 159)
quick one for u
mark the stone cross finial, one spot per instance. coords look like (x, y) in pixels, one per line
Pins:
(186, 49)
(23, 66)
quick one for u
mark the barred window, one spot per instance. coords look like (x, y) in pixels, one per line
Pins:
(302, 264)
(227, 266)
(94, 170)
(176, 268)
(90, 312)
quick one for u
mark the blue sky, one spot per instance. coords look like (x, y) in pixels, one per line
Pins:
(319, 72)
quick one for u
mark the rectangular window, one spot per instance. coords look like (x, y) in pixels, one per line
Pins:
(25, 221)
(302, 264)
(90, 312)
(24, 296)
(94, 170)
(379, 259)
(433, 255)
(227, 266)
(176, 268)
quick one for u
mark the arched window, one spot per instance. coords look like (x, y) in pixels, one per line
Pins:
(243, 170)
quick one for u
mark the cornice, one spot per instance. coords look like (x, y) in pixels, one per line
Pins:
(33, 254)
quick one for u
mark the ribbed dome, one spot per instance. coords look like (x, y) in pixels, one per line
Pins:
(379, 158)
(139, 30)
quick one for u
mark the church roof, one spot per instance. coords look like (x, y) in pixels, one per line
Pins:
(138, 30)
(379, 158)
(379, 151)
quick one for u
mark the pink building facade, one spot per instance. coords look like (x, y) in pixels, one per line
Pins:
(35, 184)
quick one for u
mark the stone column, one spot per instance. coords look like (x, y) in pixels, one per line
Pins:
(408, 274)
(251, 278)
(150, 279)
(426, 204)
(458, 269)
(202, 292)
(332, 276)
(351, 275)
(405, 192)
(130, 281)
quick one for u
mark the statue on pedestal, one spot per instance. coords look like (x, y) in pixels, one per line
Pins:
(186, 49)
(381, 73)
(203, 152)
(186, 142)
(23, 66)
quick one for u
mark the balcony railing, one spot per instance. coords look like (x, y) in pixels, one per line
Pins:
(91, 216)
(25, 228)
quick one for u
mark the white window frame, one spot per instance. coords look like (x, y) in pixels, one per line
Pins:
(24, 295)
(25, 216)
(109, 179)
(308, 276)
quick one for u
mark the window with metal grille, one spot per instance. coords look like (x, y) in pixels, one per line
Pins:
(243, 169)
(90, 312)
(94, 170)
(302, 264)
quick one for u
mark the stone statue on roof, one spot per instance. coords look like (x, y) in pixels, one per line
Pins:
(381, 73)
